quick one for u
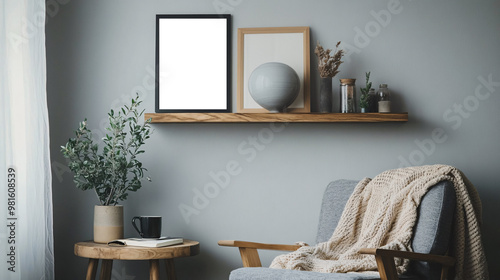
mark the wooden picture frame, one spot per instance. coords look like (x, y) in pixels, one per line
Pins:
(193, 63)
(289, 45)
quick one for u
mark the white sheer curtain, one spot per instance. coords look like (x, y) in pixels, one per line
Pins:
(26, 240)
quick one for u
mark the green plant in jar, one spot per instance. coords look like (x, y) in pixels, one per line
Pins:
(115, 170)
(364, 99)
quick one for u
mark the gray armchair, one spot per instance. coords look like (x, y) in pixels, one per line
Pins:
(431, 238)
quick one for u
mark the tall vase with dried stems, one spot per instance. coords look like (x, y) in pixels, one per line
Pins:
(325, 95)
(328, 66)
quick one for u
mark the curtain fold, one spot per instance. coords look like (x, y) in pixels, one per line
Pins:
(25, 174)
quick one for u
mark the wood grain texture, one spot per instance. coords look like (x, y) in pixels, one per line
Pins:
(444, 260)
(92, 269)
(106, 268)
(154, 270)
(248, 250)
(239, 75)
(241, 65)
(250, 257)
(386, 268)
(444, 272)
(103, 251)
(255, 245)
(170, 268)
(279, 118)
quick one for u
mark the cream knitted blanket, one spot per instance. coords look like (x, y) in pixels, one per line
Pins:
(381, 213)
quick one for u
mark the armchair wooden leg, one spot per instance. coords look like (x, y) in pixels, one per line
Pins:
(386, 268)
(106, 267)
(444, 272)
(92, 269)
(250, 257)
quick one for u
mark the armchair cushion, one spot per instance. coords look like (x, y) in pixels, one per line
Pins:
(431, 232)
(262, 273)
(334, 200)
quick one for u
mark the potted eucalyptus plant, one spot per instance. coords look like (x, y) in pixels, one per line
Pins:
(113, 171)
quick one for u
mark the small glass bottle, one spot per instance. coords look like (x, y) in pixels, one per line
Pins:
(384, 99)
(348, 95)
(372, 101)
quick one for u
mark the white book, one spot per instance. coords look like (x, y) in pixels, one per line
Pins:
(147, 242)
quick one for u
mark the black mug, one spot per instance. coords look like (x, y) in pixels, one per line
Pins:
(150, 226)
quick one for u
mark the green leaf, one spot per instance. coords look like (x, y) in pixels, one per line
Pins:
(114, 170)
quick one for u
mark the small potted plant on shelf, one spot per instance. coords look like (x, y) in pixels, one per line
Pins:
(112, 172)
(365, 98)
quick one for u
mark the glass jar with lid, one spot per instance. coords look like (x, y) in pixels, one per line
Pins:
(372, 101)
(348, 95)
(384, 99)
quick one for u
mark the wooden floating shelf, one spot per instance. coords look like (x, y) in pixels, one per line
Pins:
(275, 117)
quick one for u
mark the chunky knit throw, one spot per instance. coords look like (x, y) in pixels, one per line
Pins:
(382, 212)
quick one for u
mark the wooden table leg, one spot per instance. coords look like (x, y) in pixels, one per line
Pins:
(106, 267)
(169, 263)
(92, 269)
(154, 270)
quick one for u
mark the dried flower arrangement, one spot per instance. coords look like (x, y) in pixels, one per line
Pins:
(328, 65)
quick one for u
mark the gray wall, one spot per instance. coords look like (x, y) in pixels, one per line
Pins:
(433, 55)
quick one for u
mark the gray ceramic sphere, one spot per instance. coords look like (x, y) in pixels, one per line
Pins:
(274, 86)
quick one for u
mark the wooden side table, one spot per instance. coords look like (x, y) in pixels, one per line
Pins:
(95, 252)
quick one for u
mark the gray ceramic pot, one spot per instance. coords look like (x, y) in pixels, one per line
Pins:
(274, 86)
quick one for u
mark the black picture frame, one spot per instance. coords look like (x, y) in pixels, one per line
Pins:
(183, 87)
